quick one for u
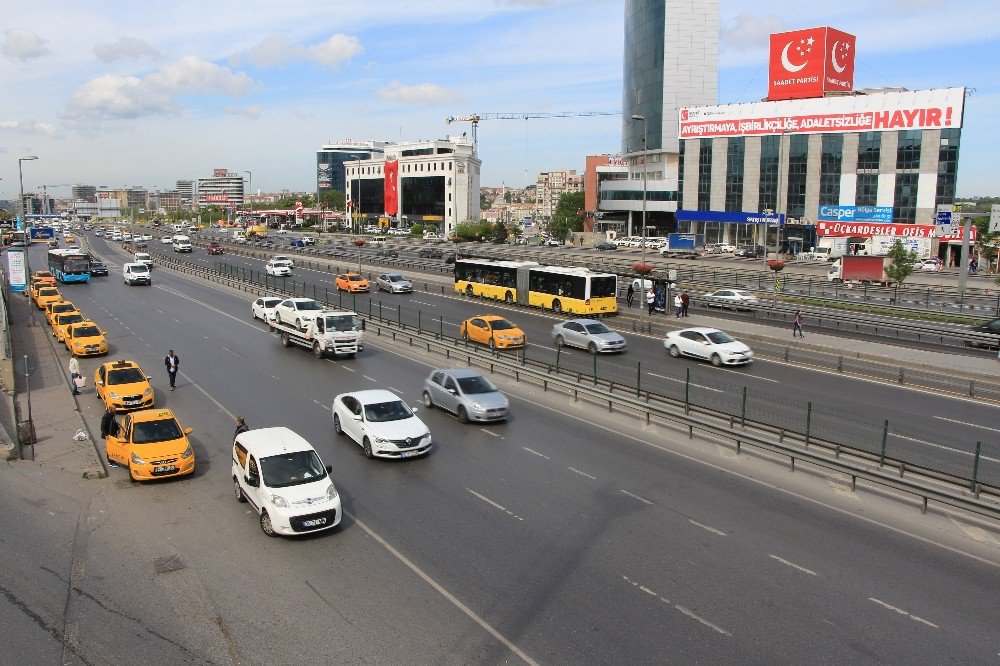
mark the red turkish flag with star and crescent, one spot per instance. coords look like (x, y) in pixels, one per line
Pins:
(808, 63)
(391, 187)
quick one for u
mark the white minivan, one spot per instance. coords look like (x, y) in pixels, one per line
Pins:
(282, 477)
(136, 273)
(182, 244)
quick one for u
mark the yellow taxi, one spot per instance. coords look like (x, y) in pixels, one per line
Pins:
(153, 445)
(63, 321)
(85, 339)
(494, 331)
(57, 307)
(352, 282)
(69, 238)
(43, 276)
(45, 295)
(124, 385)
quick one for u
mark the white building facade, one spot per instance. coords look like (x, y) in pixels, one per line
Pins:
(551, 185)
(224, 188)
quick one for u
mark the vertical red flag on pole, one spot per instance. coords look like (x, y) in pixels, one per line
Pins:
(391, 187)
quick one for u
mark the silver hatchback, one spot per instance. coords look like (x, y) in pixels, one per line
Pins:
(393, 283)
(465, 393)
(588, 334)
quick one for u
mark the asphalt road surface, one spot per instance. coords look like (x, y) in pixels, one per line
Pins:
(564, 535)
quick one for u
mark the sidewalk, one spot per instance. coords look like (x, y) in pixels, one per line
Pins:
(54, 410)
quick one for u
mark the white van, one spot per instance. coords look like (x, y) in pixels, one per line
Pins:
(179, 228)
(136, 273)
(144, 258)
(282, 477)
(377, 241)
(182, 244)
(239, 236)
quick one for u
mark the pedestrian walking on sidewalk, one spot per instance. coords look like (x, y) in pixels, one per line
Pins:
(629, 295)
(173, 363)
(685, 300)
(678, 306)
(797, 324)
(74, 372)
(241, 426)
(651, 300)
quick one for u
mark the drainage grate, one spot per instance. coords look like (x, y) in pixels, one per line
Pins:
(168, 564)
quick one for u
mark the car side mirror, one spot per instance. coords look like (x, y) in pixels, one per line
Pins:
(356, 417)
(452, 391)
(252, 481)
(188, 431)
(414, 409)
(100, 383)
(329, 469)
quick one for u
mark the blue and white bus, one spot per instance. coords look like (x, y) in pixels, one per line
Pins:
(69, 265)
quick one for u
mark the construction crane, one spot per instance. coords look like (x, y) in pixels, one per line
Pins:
(476, 117)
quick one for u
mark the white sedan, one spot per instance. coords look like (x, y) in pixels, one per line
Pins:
(285, 259)
(277, 269)
(263, 308)
(731, 297)
(297, 311)
(167, 240)
(381, 423)
(928, 265)
(709, 344)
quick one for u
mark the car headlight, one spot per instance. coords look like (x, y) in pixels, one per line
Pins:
(476, 405)
(381, 440)
(279, 501)
(331, 492)
(78, 345)
(137, 460)
(426, 439)
(114, 396)
(147, 392)
(188, 452)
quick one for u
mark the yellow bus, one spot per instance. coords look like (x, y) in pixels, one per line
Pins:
(558, 288)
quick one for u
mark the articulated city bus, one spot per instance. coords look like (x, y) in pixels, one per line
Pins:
(557, 288)
(69, 265)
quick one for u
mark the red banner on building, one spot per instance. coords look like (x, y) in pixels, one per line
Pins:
(807, 63)
(874, 229)
(391, 187)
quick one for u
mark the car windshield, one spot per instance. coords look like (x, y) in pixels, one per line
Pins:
(69, 319)
(97, 264)
(395, 278)
(719, 338)
(355, 278)
(86, 331)
(502, 325)
(477, 384)
(291, 469)
(161, 430)
(271, 302)
(48, 292)
(282, 262)
(125, 376)
(387, 411)
(307, 305)
(597, 328)
(139, 268)
(66, 307)
(343, 323)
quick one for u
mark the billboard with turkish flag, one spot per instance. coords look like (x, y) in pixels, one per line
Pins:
(808, 63)
(391, 187)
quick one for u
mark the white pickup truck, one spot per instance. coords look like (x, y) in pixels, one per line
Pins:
(332, 332)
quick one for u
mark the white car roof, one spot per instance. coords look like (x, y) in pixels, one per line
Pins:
(299, 300)
(265, 442)
(372, 396)
(699, 329)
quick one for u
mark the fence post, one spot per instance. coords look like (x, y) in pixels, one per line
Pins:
(885, 441)
(687, 391)
(418, 321)
(809, 416)
(595, 369)
(743, 412)
(326, 295)
(558, 354)
(440, 327)
(975, 466)
(399, 315)
(638, 378)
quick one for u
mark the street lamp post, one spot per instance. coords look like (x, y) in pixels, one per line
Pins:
(249, 187)
(645, 137)
(27, 233)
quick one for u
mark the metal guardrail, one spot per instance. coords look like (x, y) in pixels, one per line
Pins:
(740, 429)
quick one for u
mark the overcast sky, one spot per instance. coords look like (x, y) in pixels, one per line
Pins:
(135, 93)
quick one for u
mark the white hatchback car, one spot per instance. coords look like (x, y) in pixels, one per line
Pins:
(709, 344)
(263, 307)
(297, 311)
(381, 423)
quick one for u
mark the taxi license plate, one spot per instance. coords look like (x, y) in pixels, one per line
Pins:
(314, 522)
(129, 403)
(409, 454)
(164, 468)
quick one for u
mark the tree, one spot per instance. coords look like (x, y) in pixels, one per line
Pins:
(417, 229)
(987, 242)
(333, 200)
(901, 264)
(566, 217)
(472, 230)
(499, 233)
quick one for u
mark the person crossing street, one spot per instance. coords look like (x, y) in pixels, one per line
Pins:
(173, 364)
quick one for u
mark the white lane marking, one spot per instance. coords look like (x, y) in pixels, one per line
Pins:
(641, 499)
(393, 388)
(793, 565)
(443, 592)
(206, 394)
(369, 378)
(495, 505)
(346, 368)
(648, 591)
(706, 527)
(902, 612)
(756, 377)
(540, 455)
(976, 533)
(491, 433)
(425, 303)
(973, 425)
(705, 622)
(941, 446)
(681, 381)
(576, 471)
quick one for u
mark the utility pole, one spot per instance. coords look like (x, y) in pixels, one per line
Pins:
(645, 148)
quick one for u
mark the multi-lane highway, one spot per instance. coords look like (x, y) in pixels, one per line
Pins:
(924, 428)
(564, 535)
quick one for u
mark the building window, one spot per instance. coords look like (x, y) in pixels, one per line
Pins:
(905, 201)
(734, 173)
(867, 190)
(798, 155)
(947, 166)
(830, 169)
(704, 174)
(680, 173)
(769, 155)
(908, 150)
(869, 151)
(643, 74)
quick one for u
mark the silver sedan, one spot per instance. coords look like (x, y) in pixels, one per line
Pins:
(393, 283)
(465, 393)
(588, 334)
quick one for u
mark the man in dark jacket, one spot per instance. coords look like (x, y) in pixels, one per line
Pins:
(173, 363)
(109, 426)
(241, 426)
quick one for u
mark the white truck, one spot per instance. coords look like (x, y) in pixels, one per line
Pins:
(332, 332)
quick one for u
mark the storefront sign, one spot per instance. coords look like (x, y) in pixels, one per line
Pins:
(856, 213)
(725, 217)
(867, 229)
